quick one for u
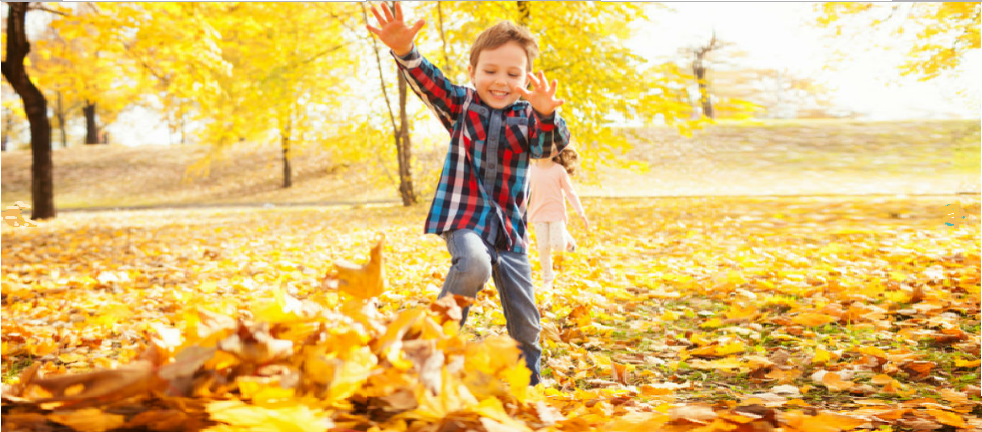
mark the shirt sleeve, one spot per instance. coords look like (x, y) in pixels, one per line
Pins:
(548, 135)
(444, 98)
(571, 195)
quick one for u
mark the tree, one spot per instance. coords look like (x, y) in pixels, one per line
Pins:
(82, 73)
(283, 75)
(700, 65)
(945, 31)
(770, 93)
(400, 131)
(36, 108)
(582, 45)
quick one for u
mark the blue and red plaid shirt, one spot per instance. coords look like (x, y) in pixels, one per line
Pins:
(484, 185)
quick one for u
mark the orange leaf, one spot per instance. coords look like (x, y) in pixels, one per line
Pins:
(832, 381)
(89, 420)
(950, 419)
(361, 281)
(813, 319)
(881, 379)
(620, 372)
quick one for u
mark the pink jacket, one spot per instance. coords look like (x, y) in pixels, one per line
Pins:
(548, 185)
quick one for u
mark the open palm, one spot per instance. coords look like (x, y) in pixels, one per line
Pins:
(543, 94)
(394, 32)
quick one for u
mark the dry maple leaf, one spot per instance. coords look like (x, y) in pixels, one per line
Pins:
(98, 387)
(360, 281)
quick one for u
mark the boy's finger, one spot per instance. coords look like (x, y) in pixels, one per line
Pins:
(398, 11)
(534, 80)
(388, 12)
(521, 90)
(374, 30)
(416, 27)
(378, 16)
(552, 90)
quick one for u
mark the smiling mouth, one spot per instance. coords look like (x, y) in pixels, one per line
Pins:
(498, 93)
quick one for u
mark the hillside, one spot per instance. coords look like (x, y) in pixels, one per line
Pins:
(778, 158)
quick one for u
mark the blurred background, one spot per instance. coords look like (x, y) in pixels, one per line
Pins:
(164, 104)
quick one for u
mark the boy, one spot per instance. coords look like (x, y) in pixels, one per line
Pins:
(480, 204)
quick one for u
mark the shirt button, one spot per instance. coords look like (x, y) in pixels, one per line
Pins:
(491, 166)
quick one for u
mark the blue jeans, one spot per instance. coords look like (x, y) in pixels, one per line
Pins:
(474, 261)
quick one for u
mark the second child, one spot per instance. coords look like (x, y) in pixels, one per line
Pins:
(551, 187)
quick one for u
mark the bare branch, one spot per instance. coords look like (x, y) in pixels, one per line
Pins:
(378, 60)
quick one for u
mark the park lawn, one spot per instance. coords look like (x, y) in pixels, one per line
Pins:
(803, 157)
(837, 306)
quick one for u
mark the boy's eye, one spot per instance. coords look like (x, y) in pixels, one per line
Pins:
(513, 75)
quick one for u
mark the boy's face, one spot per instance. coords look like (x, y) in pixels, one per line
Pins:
(498, 72)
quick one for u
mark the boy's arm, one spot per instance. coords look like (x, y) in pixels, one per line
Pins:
(428, 82)
(548, 135)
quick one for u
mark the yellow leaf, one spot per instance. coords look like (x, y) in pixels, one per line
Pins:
(821, 356)
(283, 309)
(712, 323)
(493, 409)
(731, 348)
(352, 373)
(518, 377)
(285, 417)
(959, 363)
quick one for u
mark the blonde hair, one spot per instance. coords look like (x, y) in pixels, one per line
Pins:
(569, 159)
(502, 33)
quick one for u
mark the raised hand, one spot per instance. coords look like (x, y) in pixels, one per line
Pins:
(394, 32)
(543, 95)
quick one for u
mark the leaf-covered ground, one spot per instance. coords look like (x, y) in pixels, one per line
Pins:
(806, 314)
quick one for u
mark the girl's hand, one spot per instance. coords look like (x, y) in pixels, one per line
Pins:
(543, 96)
(394, 32)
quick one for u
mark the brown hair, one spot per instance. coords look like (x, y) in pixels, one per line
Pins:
(568, 158)
(502, 33)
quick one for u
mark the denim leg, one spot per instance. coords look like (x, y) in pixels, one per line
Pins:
(470, 265)
(513, 278)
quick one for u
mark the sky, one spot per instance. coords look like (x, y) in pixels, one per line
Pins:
(781, 35)
(774, 35)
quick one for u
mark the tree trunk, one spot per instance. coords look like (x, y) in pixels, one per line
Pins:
(524, 13)
(36, 108)
(700, 72)
(448, 69)
(404, 148)
(60, 114)
(91, 130)
(285, 146)
(400, 133)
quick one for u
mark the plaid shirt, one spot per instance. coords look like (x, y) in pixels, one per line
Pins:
(484, 185)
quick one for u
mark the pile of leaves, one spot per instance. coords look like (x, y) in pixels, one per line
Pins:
(747, 336)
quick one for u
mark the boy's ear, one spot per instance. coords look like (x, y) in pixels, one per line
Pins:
(470, 72)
